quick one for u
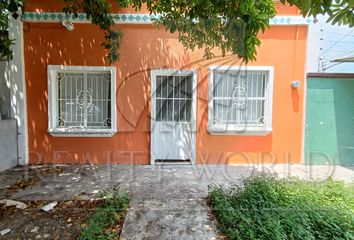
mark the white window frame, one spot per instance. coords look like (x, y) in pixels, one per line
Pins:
(53, 108)
(243, 129)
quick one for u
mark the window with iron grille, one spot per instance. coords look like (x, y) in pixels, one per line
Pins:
(81, 100)
(241, 100)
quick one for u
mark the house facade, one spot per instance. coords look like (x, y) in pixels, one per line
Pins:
(160, 102)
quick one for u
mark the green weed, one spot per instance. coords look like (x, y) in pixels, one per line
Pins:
(108, 218)
(264, 207)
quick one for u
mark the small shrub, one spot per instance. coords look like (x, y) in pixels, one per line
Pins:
(264, 207)
(101, 225)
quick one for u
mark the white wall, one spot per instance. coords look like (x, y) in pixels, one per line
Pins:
(313, 47)
(4, 93)
(8, 144)
(15, 80)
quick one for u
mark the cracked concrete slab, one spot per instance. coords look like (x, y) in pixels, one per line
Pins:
(174, 219)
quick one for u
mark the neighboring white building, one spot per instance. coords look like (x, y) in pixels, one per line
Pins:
(13, 117)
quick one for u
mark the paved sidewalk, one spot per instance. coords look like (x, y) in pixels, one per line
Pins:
(167, 202)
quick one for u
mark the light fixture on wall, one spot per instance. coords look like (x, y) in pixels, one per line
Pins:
(68, 25)
(295, 84)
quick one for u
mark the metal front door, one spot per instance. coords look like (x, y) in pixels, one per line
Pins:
(173, 115)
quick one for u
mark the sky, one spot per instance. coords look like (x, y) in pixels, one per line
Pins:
(328, 42)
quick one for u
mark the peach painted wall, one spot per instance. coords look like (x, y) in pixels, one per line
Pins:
(145, 47)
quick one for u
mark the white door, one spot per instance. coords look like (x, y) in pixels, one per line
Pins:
(173, 114)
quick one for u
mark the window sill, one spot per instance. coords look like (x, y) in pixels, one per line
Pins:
(82, 133)
(249, 131)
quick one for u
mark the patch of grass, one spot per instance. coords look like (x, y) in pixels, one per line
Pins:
(264, 207)
(108, 218)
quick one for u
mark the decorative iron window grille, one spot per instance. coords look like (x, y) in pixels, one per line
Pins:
(240, 100)
(82, 101)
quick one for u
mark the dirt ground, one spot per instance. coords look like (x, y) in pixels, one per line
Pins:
(65, 221)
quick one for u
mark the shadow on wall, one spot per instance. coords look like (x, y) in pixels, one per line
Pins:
(52, 44)
(5, 104)
(143, 47)
(8, 127)
(12, 94)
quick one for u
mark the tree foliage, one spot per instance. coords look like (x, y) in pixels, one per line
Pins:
(7, 7)
(339, 11)
(229, 25)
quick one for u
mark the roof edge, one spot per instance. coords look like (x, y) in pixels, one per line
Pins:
(331, 75)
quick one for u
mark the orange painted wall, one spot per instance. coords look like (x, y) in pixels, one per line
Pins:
(145, 47)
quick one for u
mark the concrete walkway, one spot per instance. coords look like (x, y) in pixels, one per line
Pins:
(167, 202)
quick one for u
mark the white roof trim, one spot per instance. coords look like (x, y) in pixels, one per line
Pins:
(138, 18)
